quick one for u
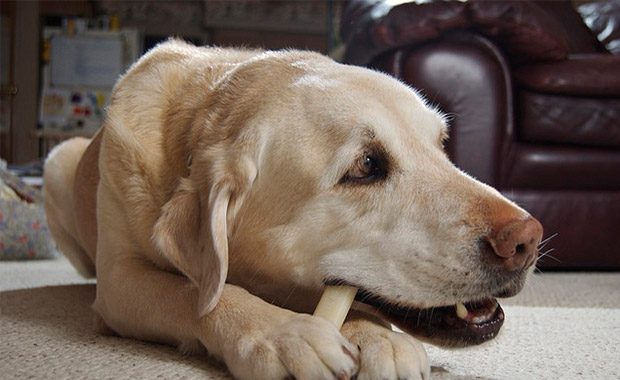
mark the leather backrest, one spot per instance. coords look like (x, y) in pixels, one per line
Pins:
(526, 32)
(581, 39)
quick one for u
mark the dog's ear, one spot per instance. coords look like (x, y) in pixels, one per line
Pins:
(193, 236)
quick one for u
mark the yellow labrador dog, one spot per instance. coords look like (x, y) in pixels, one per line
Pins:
(226, 188)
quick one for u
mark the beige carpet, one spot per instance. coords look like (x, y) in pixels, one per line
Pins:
(562, 326)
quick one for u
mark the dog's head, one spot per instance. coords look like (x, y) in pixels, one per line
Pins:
(316, 173)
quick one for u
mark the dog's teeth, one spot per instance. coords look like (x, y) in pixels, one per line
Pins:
(461, 310)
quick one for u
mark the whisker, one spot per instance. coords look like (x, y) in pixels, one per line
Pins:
(365, 297)
(549, 238)
(418, 321)
(546, 241)
(547, 254)
(407, 313)
(290, 294)
(431, 317)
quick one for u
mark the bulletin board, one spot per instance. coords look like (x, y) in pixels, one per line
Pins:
(82, 61)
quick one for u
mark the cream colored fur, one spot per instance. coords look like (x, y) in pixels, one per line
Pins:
(220, 211)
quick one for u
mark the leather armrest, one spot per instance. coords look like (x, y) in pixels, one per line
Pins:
(596, 75)
(468, 78)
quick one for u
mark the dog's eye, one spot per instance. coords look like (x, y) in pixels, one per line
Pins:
(367, 169)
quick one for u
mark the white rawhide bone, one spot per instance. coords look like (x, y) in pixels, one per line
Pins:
(335, 304)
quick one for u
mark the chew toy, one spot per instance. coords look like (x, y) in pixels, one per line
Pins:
(335, 304)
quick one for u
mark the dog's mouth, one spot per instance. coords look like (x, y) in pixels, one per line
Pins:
(460, 325)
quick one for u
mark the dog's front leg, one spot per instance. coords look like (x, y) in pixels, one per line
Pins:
(385, 354)
(255, 339)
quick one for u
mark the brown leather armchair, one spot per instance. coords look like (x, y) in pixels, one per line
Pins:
(534, 102)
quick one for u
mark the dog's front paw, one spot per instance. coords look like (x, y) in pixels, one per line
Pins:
(385, 354)
(303, 347)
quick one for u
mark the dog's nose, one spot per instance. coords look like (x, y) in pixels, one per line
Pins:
(516, 242)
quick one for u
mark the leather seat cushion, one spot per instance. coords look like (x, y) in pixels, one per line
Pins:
(561, 167)
(586, 224)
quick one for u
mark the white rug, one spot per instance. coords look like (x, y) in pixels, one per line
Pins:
(562, 326)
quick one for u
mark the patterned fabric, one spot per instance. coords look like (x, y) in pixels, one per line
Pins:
(24, 234)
